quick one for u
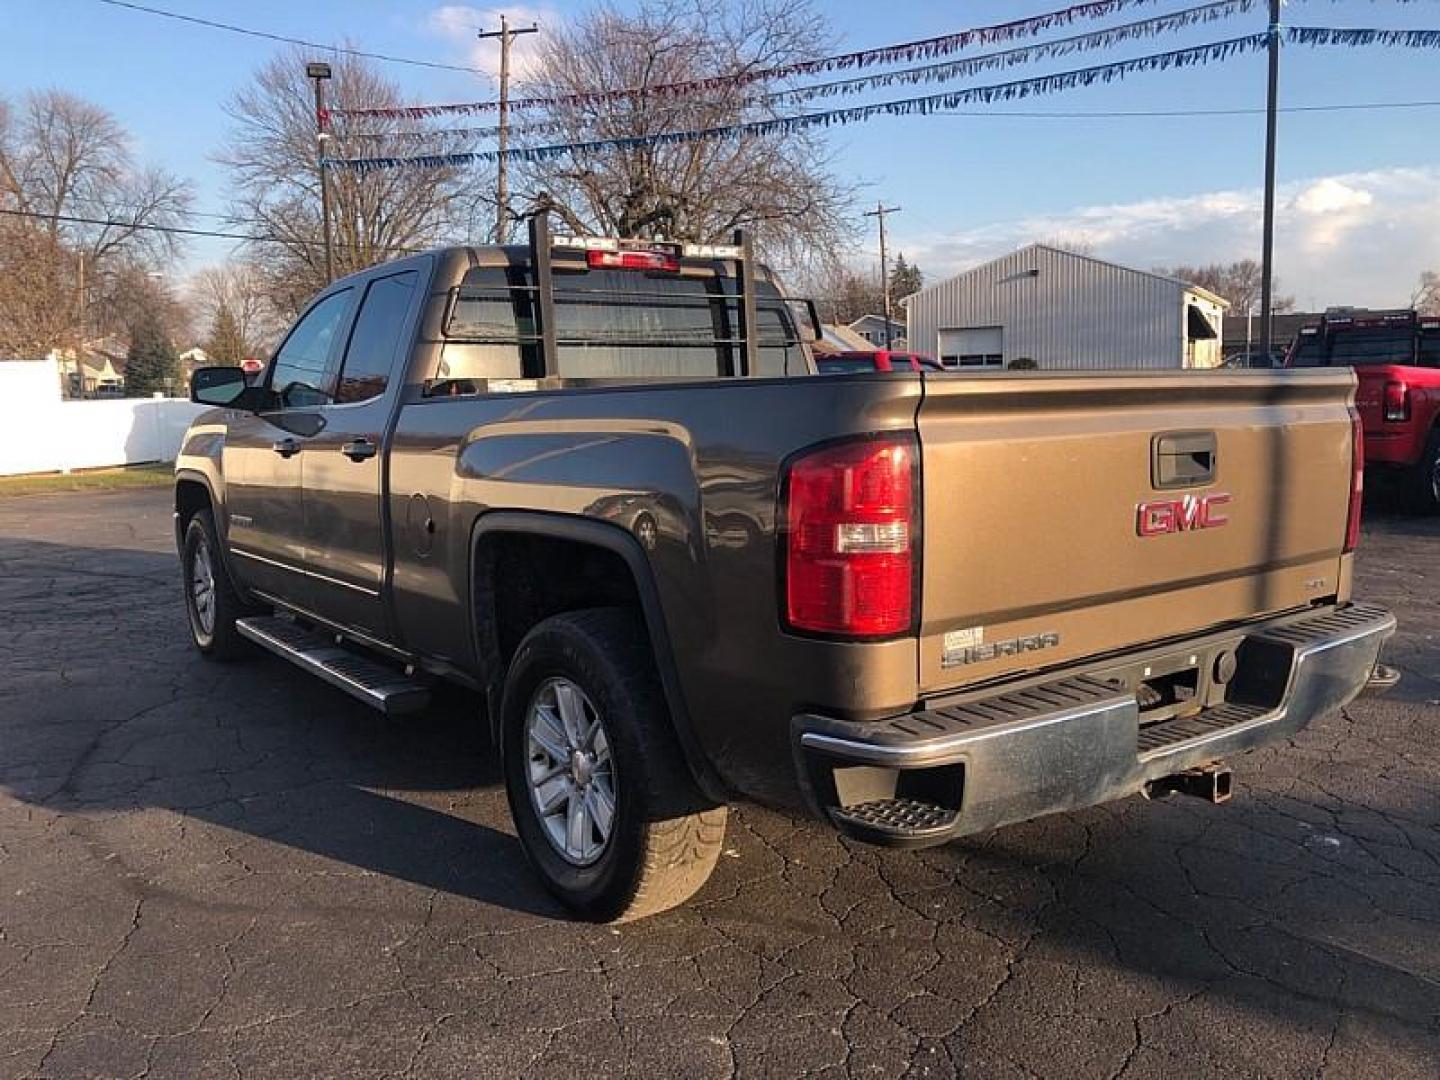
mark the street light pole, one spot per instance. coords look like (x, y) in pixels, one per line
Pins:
(319, 73)
(1267, 255)
(502, 192)
(879, 212)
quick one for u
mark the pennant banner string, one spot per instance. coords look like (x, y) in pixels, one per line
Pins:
(1008, 91)
(1353, 37)
(905, 52)
(930, 73)
(1310, 36)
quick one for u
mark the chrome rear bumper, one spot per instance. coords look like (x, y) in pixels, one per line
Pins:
(1080, 738)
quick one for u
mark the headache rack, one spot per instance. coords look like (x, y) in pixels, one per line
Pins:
(647, 256)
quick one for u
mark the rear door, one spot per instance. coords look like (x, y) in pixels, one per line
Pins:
(1068, 516)
(264, 454)
(344, 464)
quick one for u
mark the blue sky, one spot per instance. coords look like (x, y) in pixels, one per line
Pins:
(1360, 191)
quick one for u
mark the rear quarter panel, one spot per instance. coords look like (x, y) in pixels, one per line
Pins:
(704, 459)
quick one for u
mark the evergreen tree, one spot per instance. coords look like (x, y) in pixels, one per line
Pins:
(905, 278)
(225, 344)
(152, 364)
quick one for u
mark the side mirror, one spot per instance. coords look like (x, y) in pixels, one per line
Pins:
(217, 385)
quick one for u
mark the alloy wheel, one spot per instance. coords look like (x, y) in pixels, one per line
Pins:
(202, 588)
(571, 773)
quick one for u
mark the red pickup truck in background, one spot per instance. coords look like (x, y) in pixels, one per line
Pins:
(842, 363)
(1396, 356)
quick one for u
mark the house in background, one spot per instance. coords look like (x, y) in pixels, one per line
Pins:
(872, 329)
(1051, 309)
(101, 364)
(835, 338)
(191, 359)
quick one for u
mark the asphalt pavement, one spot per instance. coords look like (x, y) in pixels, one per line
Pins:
(235, 871)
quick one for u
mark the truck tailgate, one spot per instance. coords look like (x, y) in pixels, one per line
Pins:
(1050, 534)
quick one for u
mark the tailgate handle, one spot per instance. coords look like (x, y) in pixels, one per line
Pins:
(1182, 459)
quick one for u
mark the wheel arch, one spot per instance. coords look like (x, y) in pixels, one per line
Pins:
(194, 491)
(620, 545)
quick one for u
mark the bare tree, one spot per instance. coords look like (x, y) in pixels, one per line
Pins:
(238, 287)
(62, 159)
(841, 293)
(780, 185)
(1075, 243)
(1239, 282)
(376, 215)
(1426, 297)
(134, 295)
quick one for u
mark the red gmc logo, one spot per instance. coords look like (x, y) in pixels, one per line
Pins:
(1180, 515)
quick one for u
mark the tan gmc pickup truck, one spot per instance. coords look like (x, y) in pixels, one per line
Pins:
(601, 484)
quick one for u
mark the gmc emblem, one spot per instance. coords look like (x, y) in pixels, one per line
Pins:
(1185, 514)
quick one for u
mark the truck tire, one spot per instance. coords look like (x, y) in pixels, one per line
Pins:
(211, 603)
(604, 804)
(1424, 480)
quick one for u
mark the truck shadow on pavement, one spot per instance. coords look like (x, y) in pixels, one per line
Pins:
(105, 707)
(1310, 898)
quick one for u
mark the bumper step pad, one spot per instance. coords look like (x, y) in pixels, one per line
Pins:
(892, 820)
(1155, 738)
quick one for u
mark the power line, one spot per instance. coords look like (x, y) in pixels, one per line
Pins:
(215, 215)
(230, 28)
(76, 219)
(178, 230)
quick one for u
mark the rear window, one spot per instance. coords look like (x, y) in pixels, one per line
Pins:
(612, 323)
(1429, 351)
(1310, 352)
(1379, 346)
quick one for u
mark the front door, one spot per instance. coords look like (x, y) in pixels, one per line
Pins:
(264, 455)
(344, 466)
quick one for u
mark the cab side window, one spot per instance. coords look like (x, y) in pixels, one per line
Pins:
(301, 377)
(370, 356)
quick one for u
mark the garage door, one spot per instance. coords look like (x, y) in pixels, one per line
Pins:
(973, 346)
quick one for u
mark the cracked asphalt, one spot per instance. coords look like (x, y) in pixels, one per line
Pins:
(235, 871)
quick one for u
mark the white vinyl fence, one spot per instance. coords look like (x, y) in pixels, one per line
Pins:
(41, 432)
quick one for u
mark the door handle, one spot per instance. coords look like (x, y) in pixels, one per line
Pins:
(359, 450)
(286, 447)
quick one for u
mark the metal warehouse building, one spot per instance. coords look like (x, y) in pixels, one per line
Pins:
(1053, 309)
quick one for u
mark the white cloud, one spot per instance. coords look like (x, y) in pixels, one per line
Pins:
(460, 23)
(1331, 195)
(1355, 238)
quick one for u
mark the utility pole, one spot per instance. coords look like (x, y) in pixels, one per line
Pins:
(80, 348)
(319, 73)
(879, 212)
(1267, 255)
(502, 193)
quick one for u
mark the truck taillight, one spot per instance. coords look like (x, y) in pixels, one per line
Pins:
(1357, 481)
(849, 536)
(1397, 401)
(650, 261)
